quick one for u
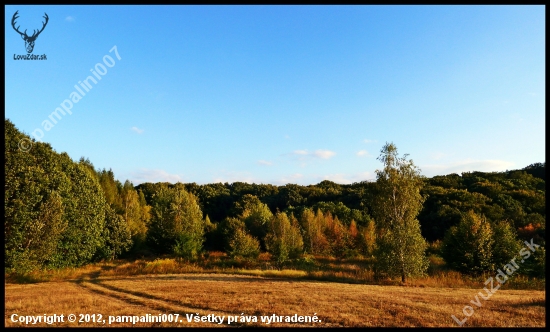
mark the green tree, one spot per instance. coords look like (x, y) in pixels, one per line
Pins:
(83, 213)
(111, 188)
(396, 205)
(116, 234)
(33, 208)
(176, 222)
(135, 212)
(467, 247)
(255, 215)
(54, 207)
(505, 243)
(227, 230)
(243, 245)
(283, 240)
(295, 239)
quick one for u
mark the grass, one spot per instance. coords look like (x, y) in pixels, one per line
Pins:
(340, 292)
(358, 271)
(335, 304)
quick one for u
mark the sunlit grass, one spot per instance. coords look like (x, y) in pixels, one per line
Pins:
(336, 304)
(357, 270)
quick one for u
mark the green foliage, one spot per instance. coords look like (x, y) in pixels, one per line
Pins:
(176, 221)
(505, 243)
(188, 246)
(537, 170)
(61, 213)
(32, 202)
(111, 188)
(84, 213)
(116, 234)
(227, 229)
(136, 213)
(400, 246)
(255, 215)
(283, 240)
(243, 245)
(517, 196)
(400, 252)
(294, 238)
(54, 207)
(468, 246)
(535, 264)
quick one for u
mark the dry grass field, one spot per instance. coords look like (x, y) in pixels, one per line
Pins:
(102, 290)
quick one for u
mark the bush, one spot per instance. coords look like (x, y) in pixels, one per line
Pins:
(468, 246)
(244, 245)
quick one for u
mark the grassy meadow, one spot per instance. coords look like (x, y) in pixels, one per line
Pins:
(338, 292)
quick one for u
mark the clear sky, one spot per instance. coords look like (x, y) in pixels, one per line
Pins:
(281, 94)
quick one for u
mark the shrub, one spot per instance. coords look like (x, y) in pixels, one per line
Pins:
(244, 245)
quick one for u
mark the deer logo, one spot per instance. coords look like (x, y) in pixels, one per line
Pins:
(29, 40)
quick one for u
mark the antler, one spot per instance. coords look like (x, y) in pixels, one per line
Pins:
(15, 17)
(35, 34)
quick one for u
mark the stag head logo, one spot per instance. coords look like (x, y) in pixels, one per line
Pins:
(29, 40)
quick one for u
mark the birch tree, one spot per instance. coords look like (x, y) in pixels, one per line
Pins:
(400, 248)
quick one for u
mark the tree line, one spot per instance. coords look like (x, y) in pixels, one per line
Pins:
(60, 213)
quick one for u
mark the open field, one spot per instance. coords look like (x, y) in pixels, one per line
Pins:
(335, 304)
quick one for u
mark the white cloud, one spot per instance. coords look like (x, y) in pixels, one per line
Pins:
(265, 162)
(69, 19)
(153, 175)
(300, 152)
(323, 154)
(363, 153)
(466, 166)
(137, 130)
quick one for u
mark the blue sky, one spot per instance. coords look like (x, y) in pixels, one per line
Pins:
(281, 94)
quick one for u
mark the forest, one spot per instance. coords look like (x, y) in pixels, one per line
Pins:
(65, 213)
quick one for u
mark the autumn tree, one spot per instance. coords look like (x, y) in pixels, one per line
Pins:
(368, 239)
(396, 204)
(336, 236)
(313, 225)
